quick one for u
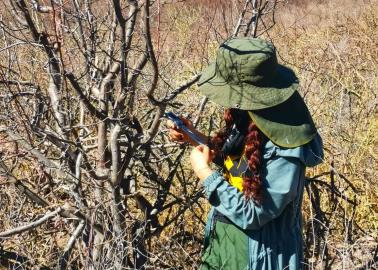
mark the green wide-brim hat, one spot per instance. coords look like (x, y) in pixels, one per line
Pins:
(246, 75)
(288, 124)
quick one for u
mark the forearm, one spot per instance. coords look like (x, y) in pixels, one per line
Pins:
(204, 173)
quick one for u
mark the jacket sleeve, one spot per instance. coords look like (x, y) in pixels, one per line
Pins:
(280, 181)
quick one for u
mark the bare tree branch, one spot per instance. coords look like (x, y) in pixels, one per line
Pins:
(181, 88)
(115, 169)
(84, 99)
(70, 244)
(151, 53)
(241, 18)
(31, 225)
(39, 8)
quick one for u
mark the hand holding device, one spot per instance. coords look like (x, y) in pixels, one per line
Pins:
(181, 125)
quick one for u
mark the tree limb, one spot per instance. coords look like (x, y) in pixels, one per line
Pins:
(116, 156)
(31, 225)
(67, 213)
(40, 8)
(70, 244)
(181, 88)
(36, 153)
(151, 53)
(240, 21)
(84, 99)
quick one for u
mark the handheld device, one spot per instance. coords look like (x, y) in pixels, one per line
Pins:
(180, 124)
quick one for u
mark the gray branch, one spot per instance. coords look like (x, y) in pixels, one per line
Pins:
(241, 18)
(115, 155)
(151, 53)
(84, 99)
(70, 245)
(36, 153)
(31, 225)
(181, 88)
(40, 8)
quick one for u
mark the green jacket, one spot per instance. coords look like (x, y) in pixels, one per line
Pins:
(266, 236)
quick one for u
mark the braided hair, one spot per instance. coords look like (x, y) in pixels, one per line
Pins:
(254, 141)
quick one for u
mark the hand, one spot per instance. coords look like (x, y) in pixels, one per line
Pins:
(176, 134)
(200, 159)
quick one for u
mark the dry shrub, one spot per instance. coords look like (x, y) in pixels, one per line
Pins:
(332, 45)
(333, 49)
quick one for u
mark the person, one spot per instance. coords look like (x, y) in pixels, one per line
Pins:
(261, 154)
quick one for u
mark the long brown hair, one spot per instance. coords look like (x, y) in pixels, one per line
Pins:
(254, 140)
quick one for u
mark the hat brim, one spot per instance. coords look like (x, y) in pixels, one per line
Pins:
(288, 124)
(248, 96)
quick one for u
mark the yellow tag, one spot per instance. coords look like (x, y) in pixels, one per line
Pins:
(236, 181)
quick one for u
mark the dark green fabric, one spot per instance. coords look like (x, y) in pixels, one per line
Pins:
(227, 249)
(288, 124)
(246, 76)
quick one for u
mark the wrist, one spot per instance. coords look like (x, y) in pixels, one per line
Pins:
(203, 172)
